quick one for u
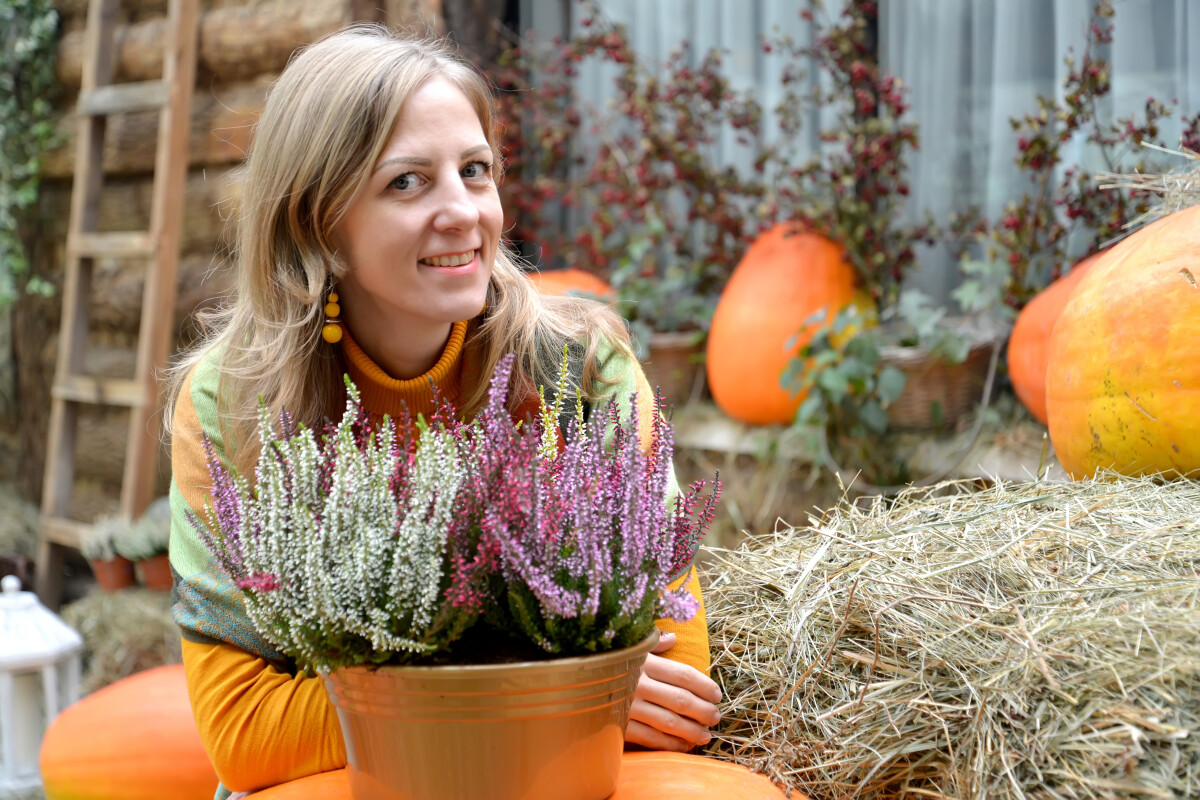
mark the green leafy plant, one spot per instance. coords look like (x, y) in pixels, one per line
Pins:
(28, 39)
(849, 384)
(98, 542)
(849, 370)
(653, 298)
(984, 288)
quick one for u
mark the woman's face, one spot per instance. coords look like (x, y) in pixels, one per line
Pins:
(421, 237)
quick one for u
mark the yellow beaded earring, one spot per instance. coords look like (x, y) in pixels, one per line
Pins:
(332, 332)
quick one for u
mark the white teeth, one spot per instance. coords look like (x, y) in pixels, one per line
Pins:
(457, 260)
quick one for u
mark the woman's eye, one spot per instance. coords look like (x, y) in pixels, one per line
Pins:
(477, 169)
(406, 182)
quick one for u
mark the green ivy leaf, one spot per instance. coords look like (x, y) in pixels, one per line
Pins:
(834, 383)
(874, 417)
(890, 384)
(856, 369)
(864, 348)
(811, 410)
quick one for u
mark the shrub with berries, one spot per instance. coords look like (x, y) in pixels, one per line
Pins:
(655, 213)
(854, 188)
(1066, 204)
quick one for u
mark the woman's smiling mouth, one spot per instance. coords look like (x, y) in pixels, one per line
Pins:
(450, 260)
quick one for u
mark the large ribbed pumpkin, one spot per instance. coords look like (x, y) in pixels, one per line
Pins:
(644, 776)
(1123, 380)
(561, 281)
(135, 739)
(1029, 343)
(784, 278)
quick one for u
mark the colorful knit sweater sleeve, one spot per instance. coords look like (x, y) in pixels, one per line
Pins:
(260, 722)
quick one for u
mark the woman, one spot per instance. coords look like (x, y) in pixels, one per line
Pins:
(369, 244)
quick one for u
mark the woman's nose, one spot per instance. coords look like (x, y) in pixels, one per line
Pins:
(456, 206)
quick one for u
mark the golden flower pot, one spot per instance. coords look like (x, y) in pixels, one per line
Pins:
(533, 730)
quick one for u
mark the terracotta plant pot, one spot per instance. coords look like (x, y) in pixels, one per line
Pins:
(673, 365)
(114, 574)
(156, 572)
(533, 730)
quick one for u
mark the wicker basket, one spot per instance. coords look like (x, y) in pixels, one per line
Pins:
(937, 394)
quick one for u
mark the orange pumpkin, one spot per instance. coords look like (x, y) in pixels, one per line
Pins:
(135, 739)
(1029, 343)
(662, 775)
(785, 277)
(561, 281)
(644, 776)
(1123, 380)
(333, 785)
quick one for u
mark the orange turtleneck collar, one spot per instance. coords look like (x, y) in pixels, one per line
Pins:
(382, 394)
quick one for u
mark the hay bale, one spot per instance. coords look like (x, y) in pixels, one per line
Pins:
(1169, 191)
(1028, 641)
(123, 633)
(20, 522)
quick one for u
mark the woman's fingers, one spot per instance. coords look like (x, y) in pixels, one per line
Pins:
(665, 642)
(672, 730)
(678, 700)
(684, 676)
(642, 734)
(673, 704)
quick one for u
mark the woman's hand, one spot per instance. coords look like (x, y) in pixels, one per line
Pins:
(674, 704)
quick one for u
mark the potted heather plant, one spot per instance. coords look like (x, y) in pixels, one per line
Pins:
(479, 596)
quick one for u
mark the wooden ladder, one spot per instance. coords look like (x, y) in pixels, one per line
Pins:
(99, 98)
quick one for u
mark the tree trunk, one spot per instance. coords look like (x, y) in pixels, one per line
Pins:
(476, 26)
(35, 322)
(414, 14)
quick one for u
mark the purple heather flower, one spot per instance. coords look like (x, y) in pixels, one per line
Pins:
(385, 537)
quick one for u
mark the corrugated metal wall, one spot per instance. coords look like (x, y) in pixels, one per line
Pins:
(735, 27)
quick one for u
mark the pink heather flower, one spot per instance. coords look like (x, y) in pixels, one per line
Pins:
(381, 541)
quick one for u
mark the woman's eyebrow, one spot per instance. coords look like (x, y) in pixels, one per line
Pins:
(415, 161)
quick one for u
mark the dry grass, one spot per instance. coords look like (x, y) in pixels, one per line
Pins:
(19, 523)
(1173, 191)
(123, 632)
(1028, 641)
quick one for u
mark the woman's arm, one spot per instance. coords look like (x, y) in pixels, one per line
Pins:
(675, 700)
(259, 724)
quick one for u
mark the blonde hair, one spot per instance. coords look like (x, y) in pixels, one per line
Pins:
(326, 121)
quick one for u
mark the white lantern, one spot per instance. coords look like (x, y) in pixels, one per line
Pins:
(39, 677)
